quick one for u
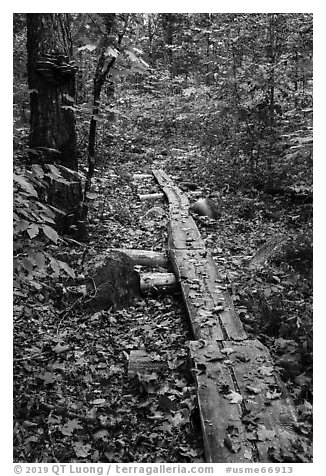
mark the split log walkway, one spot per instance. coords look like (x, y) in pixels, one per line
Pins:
(246, 415)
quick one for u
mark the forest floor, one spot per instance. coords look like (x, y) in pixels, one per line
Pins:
(74, 401)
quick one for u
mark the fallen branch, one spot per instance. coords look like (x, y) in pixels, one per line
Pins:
(267, 251)
(150, 258)
(142, 176)
(60, 410)
(157, 280)
(151, 196)
(160, 195)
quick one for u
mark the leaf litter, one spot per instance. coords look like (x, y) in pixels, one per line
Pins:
(71, 380)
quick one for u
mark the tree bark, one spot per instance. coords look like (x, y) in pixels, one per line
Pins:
(168, 31)
(51, 79)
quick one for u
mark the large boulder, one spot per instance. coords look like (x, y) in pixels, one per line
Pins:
(114, 283)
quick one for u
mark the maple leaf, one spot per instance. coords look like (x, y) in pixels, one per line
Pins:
(227, 350)
(101, 435)
(193, 295)
(263, 434)
(70, 427)
(234, 397)
(187, 451)
(247, 454)
(273, 395)
(59, 349)
(253, 389)
(178, 419)
(48, 377)
(81, 450)
(218, 308)
(98, 401)
(266, 371)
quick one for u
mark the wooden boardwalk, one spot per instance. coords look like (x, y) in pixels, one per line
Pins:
(246, 415)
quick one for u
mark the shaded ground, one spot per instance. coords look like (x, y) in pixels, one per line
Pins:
(73, 399)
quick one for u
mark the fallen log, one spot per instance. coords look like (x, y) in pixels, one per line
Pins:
(268, 250)
(154, 259)
(160, 195)
(151, 196)
(142, 176)
(157, 280)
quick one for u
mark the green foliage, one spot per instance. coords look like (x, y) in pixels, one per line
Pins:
(240, 84)
(35, 237)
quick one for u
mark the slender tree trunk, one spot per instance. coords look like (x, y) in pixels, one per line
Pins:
(102, 71)
(168, 30)
(271, 49)
(51, 79)
(92, 132)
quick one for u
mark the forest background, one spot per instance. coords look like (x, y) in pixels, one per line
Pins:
(319, 168)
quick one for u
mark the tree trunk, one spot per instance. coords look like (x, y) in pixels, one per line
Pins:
(102, 71)
(271, 55)
(168, 31)
(51, 79)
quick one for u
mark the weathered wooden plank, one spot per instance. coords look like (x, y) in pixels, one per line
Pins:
(245, 413)
(178, 201)
(224, 433)
(142, 362)
(184, 234)
(270, 412)
(210, 308)
(261, 425)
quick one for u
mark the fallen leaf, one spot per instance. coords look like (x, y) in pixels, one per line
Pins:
(81, 450)
(48, 377)
(59, 349)
(253, 389)
(263, 434)
(227, 350)
(98, 401)
(101, 435)
(228, 442)
(273, 395)
(266, 371)
(70, 427)
(165, 403)
(187, 451)
(234, 397)
(247, 454)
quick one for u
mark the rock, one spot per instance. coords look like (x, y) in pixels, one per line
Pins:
(206, 207)
(115, 283)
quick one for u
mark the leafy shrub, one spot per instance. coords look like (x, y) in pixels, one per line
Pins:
(35, 237)
(298, 253)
